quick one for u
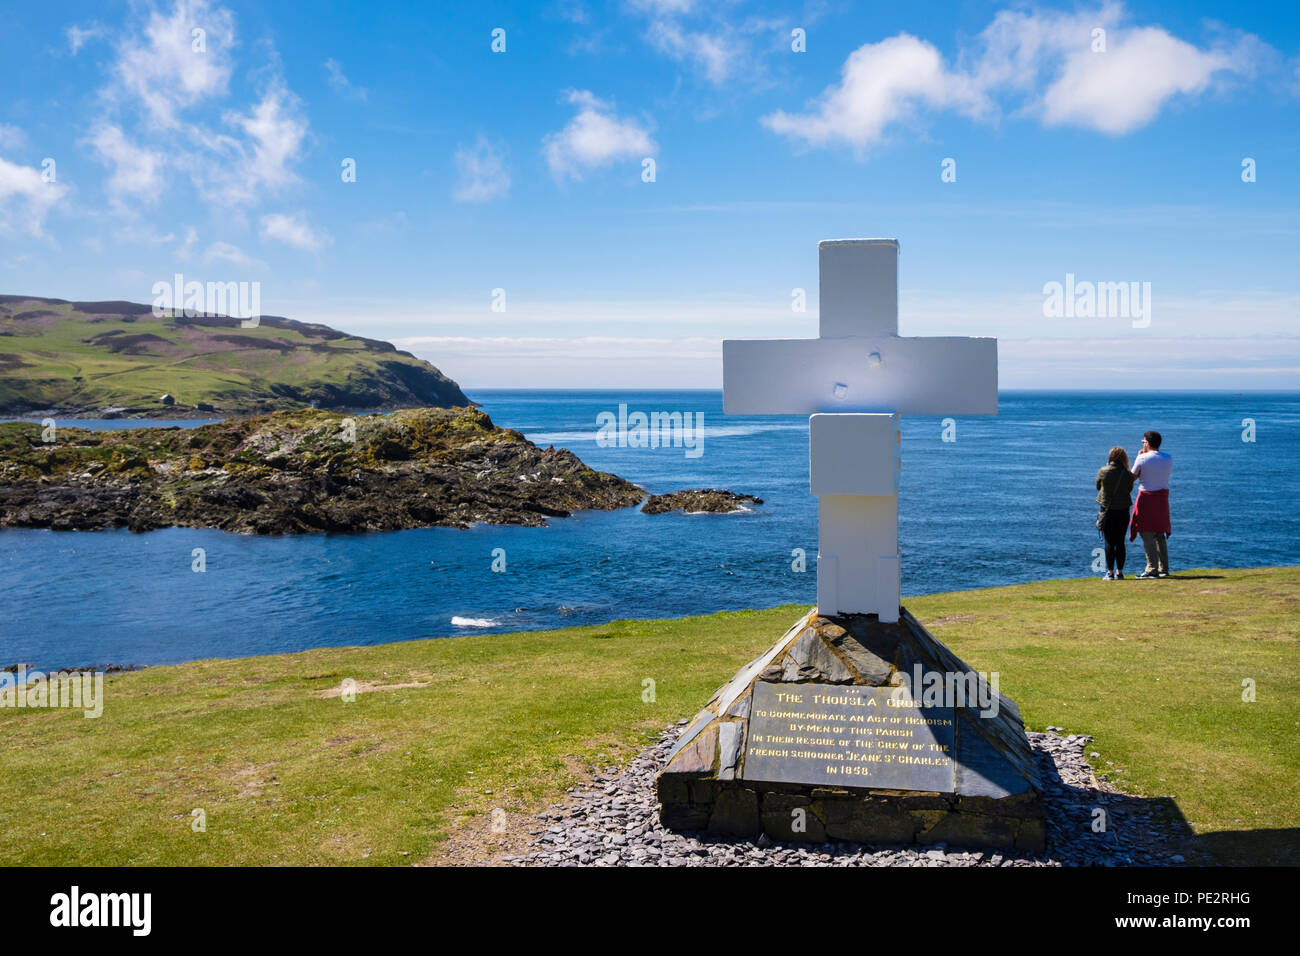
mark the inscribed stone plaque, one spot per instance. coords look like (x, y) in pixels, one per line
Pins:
(848, 736)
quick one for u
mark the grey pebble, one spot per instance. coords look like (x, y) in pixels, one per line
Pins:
(614, 821)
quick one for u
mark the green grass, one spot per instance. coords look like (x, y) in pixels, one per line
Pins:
(1153, 669)
(66, 360)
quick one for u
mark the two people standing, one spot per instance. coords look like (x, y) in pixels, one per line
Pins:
(1150, 513)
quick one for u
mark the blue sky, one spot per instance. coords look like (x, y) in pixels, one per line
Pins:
(1116, 157)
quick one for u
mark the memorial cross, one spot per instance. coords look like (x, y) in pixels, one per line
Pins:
(854, 380)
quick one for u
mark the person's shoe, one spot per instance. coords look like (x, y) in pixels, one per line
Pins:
(1108, 576)
(1162, 574)
(1148, 574)
(1119, 575)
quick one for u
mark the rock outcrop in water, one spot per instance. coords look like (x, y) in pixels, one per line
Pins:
(712, 500)
(297, 471)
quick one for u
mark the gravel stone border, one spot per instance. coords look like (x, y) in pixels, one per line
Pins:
(616, 823)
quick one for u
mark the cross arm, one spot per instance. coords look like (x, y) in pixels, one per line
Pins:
(918, 376)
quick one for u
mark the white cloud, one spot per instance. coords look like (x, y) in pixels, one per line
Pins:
(136, 171)
(80, 36)
(596, 361)
(1112, 90)
(341, 84)
(572, 10)
(187, 247)
(238, 169)
(227, 252)
(714, 52)
(167, 108)
(595, 137)
(662, 7)
(1018, 46)
(483, 172)
(25, 199)
(1193, 363)
(880, 84)
(712, 42)
(292, 231)
(1039, 63)
(696, 362)
(162, 67)
(276, 132)
(1124, 88)
(11, 137)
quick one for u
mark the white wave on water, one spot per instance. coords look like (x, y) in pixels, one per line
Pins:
(710, 431)
(458, 621)
(738, 510)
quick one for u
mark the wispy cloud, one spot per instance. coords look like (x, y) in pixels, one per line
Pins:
(341, 84)
(177, 60)
(714, 54)
(1237, 363)
(11, 137)
(482, 172)
(232, 254)
(269, 140)
(293, 230)
(708, 40)
(696, 362)
(79, 36)
(136, 172)
(574, 11)
(186, 248)
(25, 199)
(168, 106)
(596, 361)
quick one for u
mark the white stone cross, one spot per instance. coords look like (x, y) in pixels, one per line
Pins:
(854, 380)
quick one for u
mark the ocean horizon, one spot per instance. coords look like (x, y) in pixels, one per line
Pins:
(1007, 499)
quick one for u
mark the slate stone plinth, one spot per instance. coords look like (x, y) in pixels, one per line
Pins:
(849, 738)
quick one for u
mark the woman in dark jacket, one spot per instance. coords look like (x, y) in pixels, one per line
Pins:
(1114, 498)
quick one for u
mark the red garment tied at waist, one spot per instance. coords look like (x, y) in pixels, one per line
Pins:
(1150, 513)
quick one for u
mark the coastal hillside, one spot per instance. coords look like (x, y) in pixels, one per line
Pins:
(118, 360)
(297, 471)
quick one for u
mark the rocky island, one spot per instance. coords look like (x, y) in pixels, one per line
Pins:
(296, 471)
(287, 458)
(699, 500)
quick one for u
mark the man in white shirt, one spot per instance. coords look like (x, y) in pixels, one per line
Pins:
(1152, 469)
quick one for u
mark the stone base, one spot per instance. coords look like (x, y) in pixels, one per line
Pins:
(995, 797)
(729, 808)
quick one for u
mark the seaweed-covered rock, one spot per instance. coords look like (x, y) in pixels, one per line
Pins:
(712, 500)
(297, 471)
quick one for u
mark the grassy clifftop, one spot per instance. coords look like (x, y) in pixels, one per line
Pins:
(445, 732)
(116, 359)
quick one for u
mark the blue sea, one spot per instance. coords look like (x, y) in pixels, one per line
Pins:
(1010, 500)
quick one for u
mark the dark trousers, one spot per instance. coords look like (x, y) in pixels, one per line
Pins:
(1114, 529)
